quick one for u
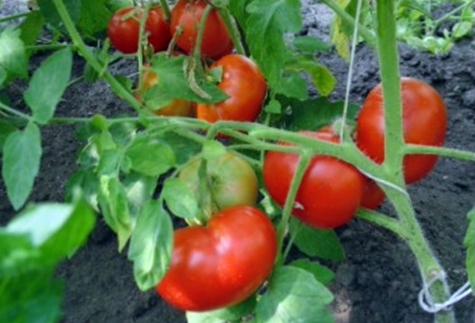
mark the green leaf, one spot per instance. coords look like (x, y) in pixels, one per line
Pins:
(151, 245)
(182, 147)
(180, 198)
(316, 113)
(462, 28)
(6, 128)
(321, 273)
(150, 156)
(115, 5)
(293, 85)
(31, 28)
(115, 209)
(49, 12)
(294, 296)
(139, 189)
(94, 18)
(469, 243)
(3, 77)
(213, 150)
(230, 314)
(316, 243)
(174, 83)
(13, 57)
(57, 230)
(32, 297)
(310, 44)
(269, 20)
(48, 85)
(273, 107)
(21, 162)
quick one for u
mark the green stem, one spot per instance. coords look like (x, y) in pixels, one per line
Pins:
(12, 111)
(45, 47)
(201, 31)
(116, 86)
(232, 29)
(166, 9)
(13, 17)
(382, 220)
(350, 21)
(441, 151)
(450, 14)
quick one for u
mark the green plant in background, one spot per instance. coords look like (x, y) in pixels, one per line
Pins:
(130, 168)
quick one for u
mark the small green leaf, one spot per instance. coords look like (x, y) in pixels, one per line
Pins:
(311, 44)
(115, 5)
(48, 85)
(273, 107)
(180, 198)
(462, 28)
(321, 273)
(13, 57)
(183, 148)
(151, 245)
(150, 156)
(21, 162)
(94, 18)
(48, 10)
(469, 243)
(3, 76)
(316, 243)
(213, 150)
(294, 296)
(31, 28)
(6, 128)
(293, 85)
(139, 189)
(115, 209)
(230, 314)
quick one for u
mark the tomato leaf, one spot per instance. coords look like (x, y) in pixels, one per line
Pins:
(310, 44)
(321, 273)
(21, 162)
(294, 296)
(270, 20)
(31, 28)
(183, 148)
(94, 18)
(314, 114)
(173, 82)
(112, 199)
(48, 9)
(150, 156)
(13, 57)
(139, 189)
(48, 85)
(469, 243)
(6, 128)
(316, 243)
(151, 245)
(180, 198)
(229, 314)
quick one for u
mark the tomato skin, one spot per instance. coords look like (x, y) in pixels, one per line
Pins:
(330, 191)
(187, 14)
(221, 264)
(424, 123)
(177, 107)
(246, 87)
(233, 182)
(124, 34)
(373, 196)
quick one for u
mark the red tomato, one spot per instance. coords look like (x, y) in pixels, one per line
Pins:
(221, 264)
(177, 107)
(424, 123)
(231, 179)
(246, 87)
(187, 14)
(330, 191)
(373, 196)
(124, 29)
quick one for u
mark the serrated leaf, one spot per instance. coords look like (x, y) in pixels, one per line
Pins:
(115, 209)
(151, 245)
(94, 18)
(150, 156)
(183, 148)
(180, 198)
(310, 44)
(31, 28)
(13, 57)
(270, 20)
(316, 243)
(321, 273)
(173, 83)
(49, 12)
(294, 296)
(316, 113)
(21, 162)
(469, 243)
(48, 85)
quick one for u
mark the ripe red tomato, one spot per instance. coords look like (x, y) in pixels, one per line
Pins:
(187, 14)
(124, 29)
(424, 123)
(330, 191)
(221, 264)
(373, 196)
(177, 107)
(246, 87)
(232, 182)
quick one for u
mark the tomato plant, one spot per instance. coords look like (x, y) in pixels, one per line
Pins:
(124, 29)
(228, 181)
(222, 263)
(424, 123)
(319, 202)
(246, 87)
(186, 16)
(177, 107)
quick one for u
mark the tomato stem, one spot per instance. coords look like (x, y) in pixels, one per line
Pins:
(201, 31)
(441, 151)
(166, 9)
(232, 29)
(116, 86)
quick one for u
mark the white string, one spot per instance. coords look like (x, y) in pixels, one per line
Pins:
(350, 68)
(428, 305)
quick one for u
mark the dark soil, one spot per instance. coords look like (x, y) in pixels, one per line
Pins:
(379, 280)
